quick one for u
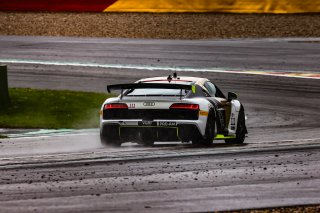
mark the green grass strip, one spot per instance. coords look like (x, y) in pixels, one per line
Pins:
(33, 108)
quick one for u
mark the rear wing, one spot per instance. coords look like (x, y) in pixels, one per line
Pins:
(149, 86)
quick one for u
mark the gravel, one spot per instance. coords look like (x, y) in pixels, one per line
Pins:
(162, 25)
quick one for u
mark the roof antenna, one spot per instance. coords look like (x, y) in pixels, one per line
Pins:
(175, 75)
(169, 78)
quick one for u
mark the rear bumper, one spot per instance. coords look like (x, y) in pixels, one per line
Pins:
(135, 131)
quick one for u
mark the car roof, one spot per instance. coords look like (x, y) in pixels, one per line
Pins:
(196, 80)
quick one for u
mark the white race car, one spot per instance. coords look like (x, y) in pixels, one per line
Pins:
(171, 109)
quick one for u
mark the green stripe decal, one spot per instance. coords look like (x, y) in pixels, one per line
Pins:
(222, 137)
(193, 88)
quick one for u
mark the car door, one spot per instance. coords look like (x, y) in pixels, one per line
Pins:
(223, 109)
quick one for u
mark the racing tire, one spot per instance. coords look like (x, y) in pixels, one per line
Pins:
(109, 136)
(241, 130)
(207, 140)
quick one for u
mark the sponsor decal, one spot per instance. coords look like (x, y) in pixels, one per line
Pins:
(128, 123)
(167, 123)
(122, 123)
(147, 123)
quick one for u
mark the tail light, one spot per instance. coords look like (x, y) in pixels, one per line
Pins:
(116, 106)
(185, 106)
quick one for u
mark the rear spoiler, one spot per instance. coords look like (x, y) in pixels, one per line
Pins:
(150, 86)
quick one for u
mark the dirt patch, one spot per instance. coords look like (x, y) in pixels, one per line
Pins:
(164, 26)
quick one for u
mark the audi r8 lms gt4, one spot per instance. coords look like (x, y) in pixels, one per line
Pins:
(171, 108)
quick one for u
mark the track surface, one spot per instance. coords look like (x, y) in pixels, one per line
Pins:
(278, 166)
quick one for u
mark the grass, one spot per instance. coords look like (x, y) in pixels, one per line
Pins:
(52, 109)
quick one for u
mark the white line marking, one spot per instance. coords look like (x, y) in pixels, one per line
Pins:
(291, 74)
(45, 133)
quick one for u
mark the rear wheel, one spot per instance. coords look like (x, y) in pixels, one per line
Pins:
(109, 136)
(209, 134)
(241, 129)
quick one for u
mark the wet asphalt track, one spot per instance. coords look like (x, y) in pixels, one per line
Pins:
(278, 165)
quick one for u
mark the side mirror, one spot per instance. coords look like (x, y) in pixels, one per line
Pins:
(232, 96)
